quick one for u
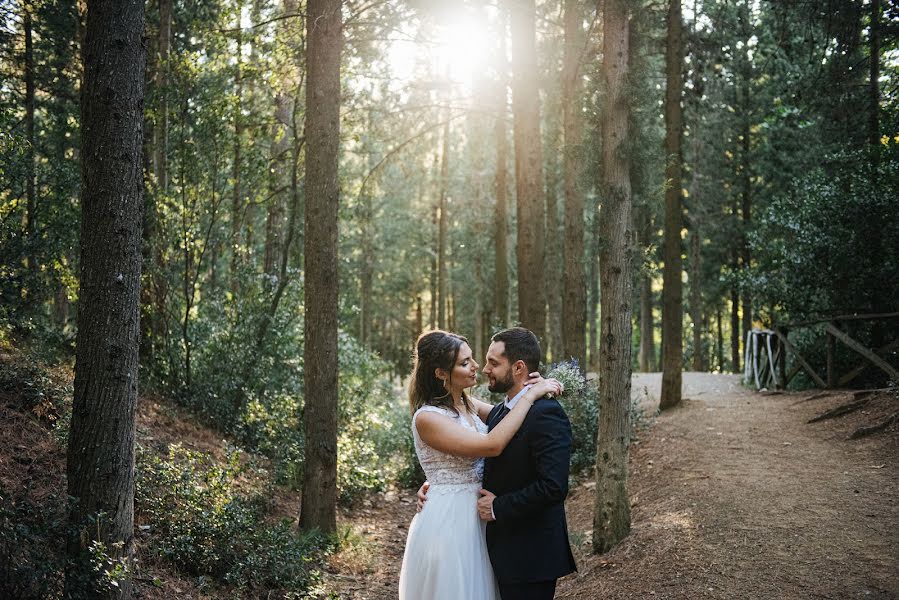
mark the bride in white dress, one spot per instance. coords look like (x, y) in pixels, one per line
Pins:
(446, 549)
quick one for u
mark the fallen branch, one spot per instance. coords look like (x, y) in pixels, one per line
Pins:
(839, 411)
(869, 429)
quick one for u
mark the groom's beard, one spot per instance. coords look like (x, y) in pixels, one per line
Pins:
(501, 386)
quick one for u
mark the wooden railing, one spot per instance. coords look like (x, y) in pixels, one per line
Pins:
(767, 350)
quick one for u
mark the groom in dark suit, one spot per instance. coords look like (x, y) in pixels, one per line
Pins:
(523, 499)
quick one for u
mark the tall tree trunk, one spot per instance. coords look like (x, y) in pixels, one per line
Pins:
(574, 287)
(696, 296)
(30, 184)
(500, 218)
(529, 194)
(672, 292)
(236, 198)
(324, 41)
(611, 513)
(366, 274)
(433, 279)
(554, 266)
(746, 210)
(419, 318)
(274, 220)
(442, 299)
(594, 293)
(874, 83)
(160, 78)
(100, 462)
(647, 327)
(734, 318)
(720, 344)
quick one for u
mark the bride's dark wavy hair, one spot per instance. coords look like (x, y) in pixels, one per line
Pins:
(434, 350)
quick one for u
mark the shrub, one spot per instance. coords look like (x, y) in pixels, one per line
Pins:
(198, 519)
(32, 556)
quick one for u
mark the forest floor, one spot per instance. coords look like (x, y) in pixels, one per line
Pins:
(734, 495)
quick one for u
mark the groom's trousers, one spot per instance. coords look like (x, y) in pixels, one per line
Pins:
(539, 590)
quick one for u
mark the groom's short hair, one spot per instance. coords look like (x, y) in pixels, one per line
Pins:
(520, 344)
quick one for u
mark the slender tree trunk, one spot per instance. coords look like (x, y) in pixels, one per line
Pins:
(874, 82)
(500, 218)
(30, 151)
(529, 194)
(324, 41)
(696, 296)
(100, 462)
(746, 197)
(647, 327)
(274, 220)
(419, 318)
(442, 299)
(720, 344)
(593, 297)
(735, 319)
(611, 513)
(236, 198)
(161, 127)
(553, 266)
(672, 293)
(366, 274)
(696, 215)
(366, 271)
(433, 280)
(574, 287)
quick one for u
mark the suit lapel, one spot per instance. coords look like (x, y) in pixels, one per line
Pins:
(496, 415)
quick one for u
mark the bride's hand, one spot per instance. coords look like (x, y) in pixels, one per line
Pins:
(543, 387)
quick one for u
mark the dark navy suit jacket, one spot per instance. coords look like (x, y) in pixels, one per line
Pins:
(528, 542)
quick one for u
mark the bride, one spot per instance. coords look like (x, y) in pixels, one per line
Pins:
(446, 550)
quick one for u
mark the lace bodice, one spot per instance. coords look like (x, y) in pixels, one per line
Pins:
(446, 469)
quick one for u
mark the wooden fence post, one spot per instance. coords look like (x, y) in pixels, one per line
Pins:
(831, 351)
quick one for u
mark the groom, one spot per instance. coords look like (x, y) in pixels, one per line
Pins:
(523, 500)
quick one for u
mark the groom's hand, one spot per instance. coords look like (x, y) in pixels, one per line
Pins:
(422, 496)
(485, 506)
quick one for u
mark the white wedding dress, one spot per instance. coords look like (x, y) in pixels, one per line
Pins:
(446, 549)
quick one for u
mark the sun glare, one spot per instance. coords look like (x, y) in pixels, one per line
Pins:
(459, 50)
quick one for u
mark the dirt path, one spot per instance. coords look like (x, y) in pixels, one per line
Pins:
(734, 496)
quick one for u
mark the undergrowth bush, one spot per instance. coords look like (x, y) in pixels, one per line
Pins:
(199, 519)
(32, 548)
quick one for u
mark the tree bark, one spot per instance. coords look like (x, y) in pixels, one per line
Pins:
(30, 184)
(500, 186)
(874, 82)
(672, 293)
(574, 287)
(100, 461)
(442, 299)
(500, 218)
(735, 311)
(236, 198)
(160, 78)
(593, 296)
(554, 266)
(696, 297)
(647, 327)
(720, 344)
(611, 516)
(324, 41)
(746, 212)
(529, 193)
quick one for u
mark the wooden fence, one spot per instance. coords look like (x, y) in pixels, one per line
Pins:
(767, 352)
